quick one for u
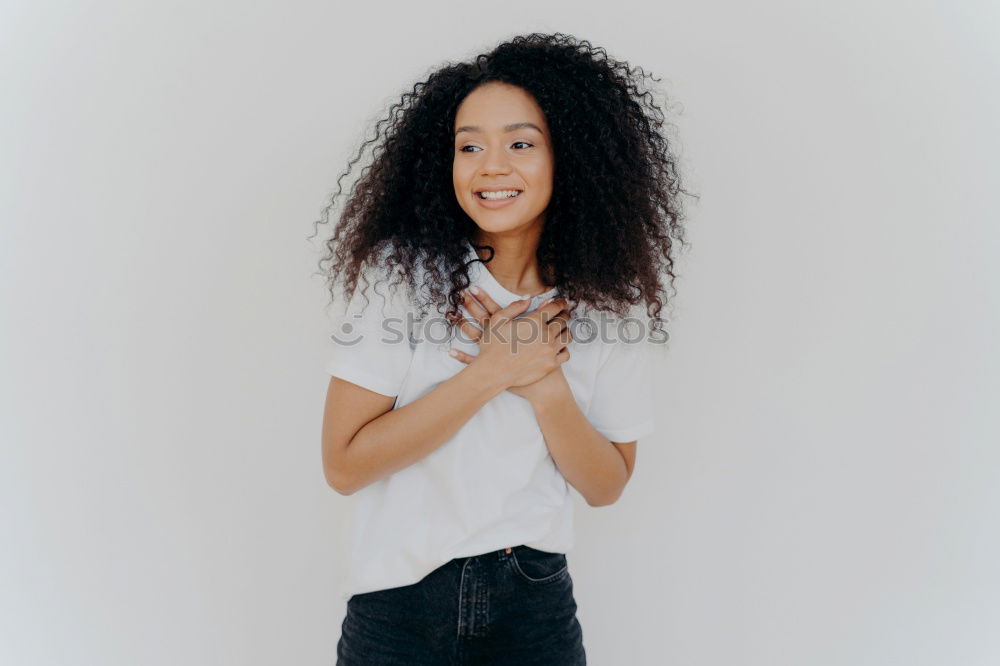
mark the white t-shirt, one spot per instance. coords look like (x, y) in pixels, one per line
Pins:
(494, 483)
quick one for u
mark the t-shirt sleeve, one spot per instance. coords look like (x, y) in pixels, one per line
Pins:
(370, 342)
(621, 407)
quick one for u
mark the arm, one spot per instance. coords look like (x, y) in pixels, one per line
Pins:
(596, 467)
(365, 440)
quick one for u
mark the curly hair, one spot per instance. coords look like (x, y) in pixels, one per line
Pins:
(614, 214)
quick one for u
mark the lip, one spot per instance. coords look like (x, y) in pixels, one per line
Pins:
(496, 188)
(498, 203)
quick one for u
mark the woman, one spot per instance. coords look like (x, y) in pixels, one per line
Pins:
(518, 188)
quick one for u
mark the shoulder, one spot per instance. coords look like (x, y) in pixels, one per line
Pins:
(614, 335)
(378, 290)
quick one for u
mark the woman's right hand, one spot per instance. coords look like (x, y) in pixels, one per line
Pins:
(523, 349)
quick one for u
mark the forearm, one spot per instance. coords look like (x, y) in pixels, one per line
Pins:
(402, 436)
(587, 460)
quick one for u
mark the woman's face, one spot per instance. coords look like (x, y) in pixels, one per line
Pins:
(502, 142)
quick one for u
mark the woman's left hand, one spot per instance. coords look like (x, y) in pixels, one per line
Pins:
(482, 307)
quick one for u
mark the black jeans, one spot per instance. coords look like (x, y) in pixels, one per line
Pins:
(497, 608)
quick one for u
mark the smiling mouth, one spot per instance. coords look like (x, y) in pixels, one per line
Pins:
(498, 196)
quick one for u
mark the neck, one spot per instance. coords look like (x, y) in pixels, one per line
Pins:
(514, 263)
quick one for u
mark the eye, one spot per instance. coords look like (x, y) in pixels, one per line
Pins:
(463, 148)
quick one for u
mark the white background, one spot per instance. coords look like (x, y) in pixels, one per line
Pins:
(823, 489)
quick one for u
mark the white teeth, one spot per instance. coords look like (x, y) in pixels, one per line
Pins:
(502, 194)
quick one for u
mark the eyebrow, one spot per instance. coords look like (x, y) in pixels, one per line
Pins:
(507, 128)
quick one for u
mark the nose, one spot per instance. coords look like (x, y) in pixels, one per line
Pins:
(496, 162)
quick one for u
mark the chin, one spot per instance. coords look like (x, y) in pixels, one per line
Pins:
(501, 220)
(496, 227)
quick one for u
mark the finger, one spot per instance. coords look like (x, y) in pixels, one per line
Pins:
(547, 310)
(554, 305)
(563, 334)
(454, 318)
(551, 308)
(506, 314)
(470, 329)
(558, 322)
(460, 355)
(484, 299)
(464, 324)
(475, 308)
(563, 315)
(563, 355)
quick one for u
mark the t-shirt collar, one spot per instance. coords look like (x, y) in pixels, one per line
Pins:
(481, 276)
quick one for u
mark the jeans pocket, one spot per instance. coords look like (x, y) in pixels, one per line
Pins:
(538, 566)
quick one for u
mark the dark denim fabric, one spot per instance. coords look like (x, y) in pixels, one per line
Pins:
(497, 608)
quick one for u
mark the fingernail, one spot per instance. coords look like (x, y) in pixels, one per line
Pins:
(452, 352)
(545, 302)
(526, 297)
(474, 290)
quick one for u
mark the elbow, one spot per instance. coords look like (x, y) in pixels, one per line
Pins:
(336, 475)
(336, 470)
(604, 500)
(339, 482)
(612, 492)
(344, 478)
